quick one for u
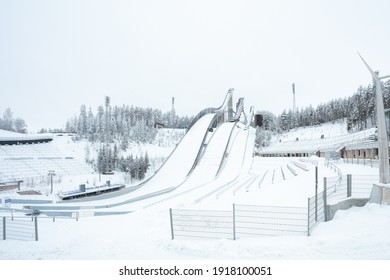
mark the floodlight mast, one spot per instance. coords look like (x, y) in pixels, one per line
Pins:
(383, 143)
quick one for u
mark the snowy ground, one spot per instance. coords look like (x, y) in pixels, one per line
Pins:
(357, 233)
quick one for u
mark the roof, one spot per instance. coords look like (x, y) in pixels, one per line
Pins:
(14, 138)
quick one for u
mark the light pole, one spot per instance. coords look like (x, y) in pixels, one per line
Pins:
(383, 143)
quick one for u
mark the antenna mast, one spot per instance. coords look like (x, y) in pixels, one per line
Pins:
(294, 105)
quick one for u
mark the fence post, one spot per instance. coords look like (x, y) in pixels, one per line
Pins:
(273, 176)
(36, 228)
(325, 199)
(171, 219)
(349, 185)
(234, 221)
(316, 193)
(308, 216)
(4, 229)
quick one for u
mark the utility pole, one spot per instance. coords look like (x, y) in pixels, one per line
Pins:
(294, 104)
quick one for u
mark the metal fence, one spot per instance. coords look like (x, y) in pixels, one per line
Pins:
(256, 220)
(356, 186)
(337, 188)
(242, 221)
(201, 223)
(316, 211)
(362, 161)
(13, 228)
(362, 185)
(252, 220)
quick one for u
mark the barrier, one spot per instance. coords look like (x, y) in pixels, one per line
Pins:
(340, 192)
(242, 221)
(13, 228)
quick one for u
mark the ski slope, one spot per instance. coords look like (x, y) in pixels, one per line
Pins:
(209, 164)
(178, 166)
(236, 166)
(212, 155)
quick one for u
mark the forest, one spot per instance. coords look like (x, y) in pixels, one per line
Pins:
(113, 128)
(358, 110)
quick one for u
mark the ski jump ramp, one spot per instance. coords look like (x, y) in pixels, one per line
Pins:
(213, 152)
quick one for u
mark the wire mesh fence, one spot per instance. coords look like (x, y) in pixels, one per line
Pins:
(336, 188)
(316, 211)
(257, 220)
(242, 221)
(252, 220)
(362, 185)
(356, 186)
(362, 161)
(201, 223)
(25, 229)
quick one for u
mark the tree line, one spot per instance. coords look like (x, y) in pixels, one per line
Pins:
(108, 160)
(122, 123)
(358, 110)
(113, 128)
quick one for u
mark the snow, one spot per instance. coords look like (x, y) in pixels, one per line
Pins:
(354, 234)
(358, 233)
(6, 133)
(328, 136)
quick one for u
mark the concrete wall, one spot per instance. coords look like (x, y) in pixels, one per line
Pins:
(344, 205)
(380, 194)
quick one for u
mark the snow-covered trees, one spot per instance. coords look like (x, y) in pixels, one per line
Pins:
(8, 122)
(121, 123)
(113, 128)
(359, 110)
(136, 167)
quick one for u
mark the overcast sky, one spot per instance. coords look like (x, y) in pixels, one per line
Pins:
(57, 55)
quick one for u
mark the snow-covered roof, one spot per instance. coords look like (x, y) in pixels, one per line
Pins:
(10, 138)
(328, 144)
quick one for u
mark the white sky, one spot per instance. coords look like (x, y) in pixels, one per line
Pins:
(57, 55)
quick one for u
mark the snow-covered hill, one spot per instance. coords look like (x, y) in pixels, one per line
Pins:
(326, 130)
(327, 137)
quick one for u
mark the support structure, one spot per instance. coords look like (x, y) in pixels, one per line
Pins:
(383, 144)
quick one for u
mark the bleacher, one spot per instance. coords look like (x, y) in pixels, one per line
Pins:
(313, 146)
(21, 162)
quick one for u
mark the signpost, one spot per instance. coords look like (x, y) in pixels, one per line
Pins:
(6, 202)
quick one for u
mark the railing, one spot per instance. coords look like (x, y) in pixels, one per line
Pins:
(316, 211)
(242, 221)
(362, 185)
(14, 228)
(255, 220)
(362, 161)
(201, 223)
